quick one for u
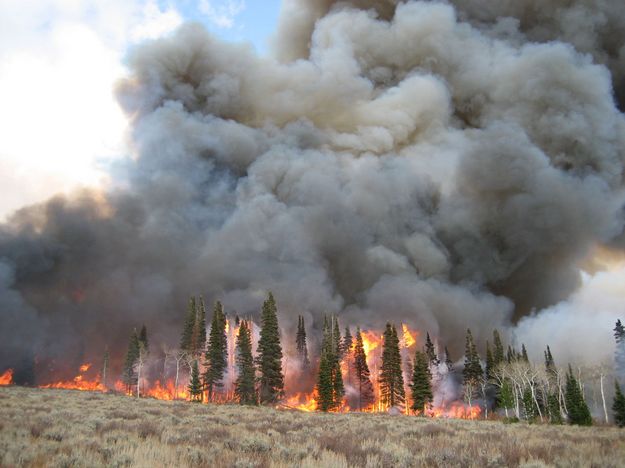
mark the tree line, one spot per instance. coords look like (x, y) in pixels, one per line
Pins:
(505, 380)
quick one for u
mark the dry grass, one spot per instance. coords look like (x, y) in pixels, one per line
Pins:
(68, 428)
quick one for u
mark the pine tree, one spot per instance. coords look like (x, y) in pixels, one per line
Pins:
(195, 386)
(392, 391)
(498, 354)
(198, 335)
(270, 354)
(528, 405)
(329, 382)
(506, 396)
(128, 376)
(448, 361)
(143, 338)
(578, 411)
(216, 352)
(553, 407)
(550, 366)
(472, 373)
(336, 338)
(300, 343)
(511, 355)
(244, 387)
(347, 343)
(619, 353)
(430, 352)
(421, 382)
(187, 331)
(618, 407)
(524, 353)
(490, 363)
(363, 376)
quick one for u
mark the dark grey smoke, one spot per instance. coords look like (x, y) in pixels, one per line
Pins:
(421, 163)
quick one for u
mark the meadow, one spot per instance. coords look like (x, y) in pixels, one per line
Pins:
(66, 428)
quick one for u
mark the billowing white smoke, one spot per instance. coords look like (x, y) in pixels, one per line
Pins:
(407, 164)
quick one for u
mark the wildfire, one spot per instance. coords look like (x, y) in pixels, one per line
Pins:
(80, 382)
(167, 391)
(7, 377)
(301, 401)
(409, 337)
(456, 411)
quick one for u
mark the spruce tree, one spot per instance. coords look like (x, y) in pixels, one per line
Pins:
(336, 338)
(195, 386)
(143, 338)
(490, 363)
(576, 406)
(347, 343)
(528, 405)
(421, 384)
(216, 352)
(189, 323)
(270, 354)
(619, 352)
(128, 376)
(498, 354)
(430, 352)
(300, 343)
(362, 374)
(392, 391)
(553, 407)
(506, 396)
(448, 361)
(472, 372)
(244, 387)
(198, 335)
(618, 407)
(524, 356)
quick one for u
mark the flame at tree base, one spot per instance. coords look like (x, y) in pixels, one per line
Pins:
(7, 377)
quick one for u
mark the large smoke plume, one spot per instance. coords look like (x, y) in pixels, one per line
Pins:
(446, 164)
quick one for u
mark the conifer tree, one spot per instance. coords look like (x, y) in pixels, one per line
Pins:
(244, 388)
(363, 376)
(506, 396)
(490, 363)
(472, 372)
(195, 386)
(511, 355)
(421, 384)
(619, 353)
(347, 343)
(329, 382)
(336, 338)
(392, 390)
(143, 338)
(618, 407)
(189, 323)
(528, 405)
(216, 352)
(553, 407)
(430, 352)
(498, 354)
(198, 335)
(524, 356)
(128, 376)
(448, 361)
(105, 367)
(576, 406)
(270, 354)
(300, 343)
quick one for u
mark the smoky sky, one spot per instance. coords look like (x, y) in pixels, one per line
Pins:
(445, 164)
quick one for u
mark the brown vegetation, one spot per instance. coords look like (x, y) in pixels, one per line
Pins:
(70, 428)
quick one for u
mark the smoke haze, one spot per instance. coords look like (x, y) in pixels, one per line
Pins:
(446, 164)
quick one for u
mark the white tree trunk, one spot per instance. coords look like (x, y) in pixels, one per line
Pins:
(605, 410)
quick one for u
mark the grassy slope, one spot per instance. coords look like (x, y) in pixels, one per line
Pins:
(69, 428)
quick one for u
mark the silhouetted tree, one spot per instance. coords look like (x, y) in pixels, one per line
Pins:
(421, 384)
(244, 387)
(270, 354)
(361, 371)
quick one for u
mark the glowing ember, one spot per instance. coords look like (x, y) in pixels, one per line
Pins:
(85, 367)
(7, 377)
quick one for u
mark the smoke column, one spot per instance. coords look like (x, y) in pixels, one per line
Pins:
(445, 164)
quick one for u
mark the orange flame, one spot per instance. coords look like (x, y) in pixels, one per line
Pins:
(79, 382)
(7, 377)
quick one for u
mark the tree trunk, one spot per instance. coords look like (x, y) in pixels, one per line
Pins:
(605, 410)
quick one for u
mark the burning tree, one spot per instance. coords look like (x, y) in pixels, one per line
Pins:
(128, 375)
(244, 389)
(270, 354)
(361, 370)
(472, 373)
(300, 343)
(330, 390)
(392, 392)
